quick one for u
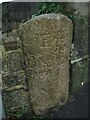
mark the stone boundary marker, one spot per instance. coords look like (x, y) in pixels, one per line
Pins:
(46, 43)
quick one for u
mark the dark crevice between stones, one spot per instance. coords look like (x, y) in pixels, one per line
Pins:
(10, 45)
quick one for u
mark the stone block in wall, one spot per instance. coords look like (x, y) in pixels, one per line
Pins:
(47, 43)
(15, 102)
(10, 80)
(14, 25)
(15, 94)
(12, 57)
(11, 41)
(14, 61)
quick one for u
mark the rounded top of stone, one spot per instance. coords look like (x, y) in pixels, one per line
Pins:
(48, 16)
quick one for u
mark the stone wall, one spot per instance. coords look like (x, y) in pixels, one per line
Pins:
(15, 95)
(14, 75)
(14, 13)
(14, 70)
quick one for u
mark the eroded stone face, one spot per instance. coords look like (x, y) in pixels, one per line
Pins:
(47, 43)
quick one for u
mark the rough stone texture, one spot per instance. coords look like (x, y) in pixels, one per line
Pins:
(46, 40)
(15, 102)
(11, 41)
(10, 80)
(11, 55)
(14, 63)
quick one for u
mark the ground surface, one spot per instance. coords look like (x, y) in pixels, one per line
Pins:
(76, 107)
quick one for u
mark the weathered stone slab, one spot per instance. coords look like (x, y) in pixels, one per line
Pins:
(46, 41)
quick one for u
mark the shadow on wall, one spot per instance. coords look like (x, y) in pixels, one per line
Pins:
(13, 13)
(16, 12)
